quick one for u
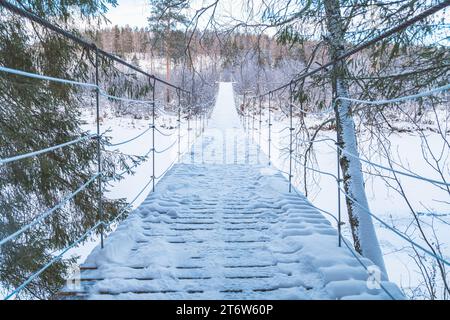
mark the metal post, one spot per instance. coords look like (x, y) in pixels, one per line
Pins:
(196, 126)
(153, 133)
(260, 121)
(203, 138)
(339, 180)
(193, 129)
(189, 128)
(290, 137)
(203, 122)
(247, 111)
(253, 119)
(244, 117)
(99, 158)
(179, 126)
(270, 129)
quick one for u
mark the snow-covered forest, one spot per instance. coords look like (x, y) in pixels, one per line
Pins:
(363, 135)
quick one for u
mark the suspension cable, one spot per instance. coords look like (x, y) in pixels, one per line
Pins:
(52, 261)
(77, 39)
(411, 175)
(384, 223)
(377, 102)
(128, 205)
(382, 36)
(371, 214)
(71, 82)
(164, 134)
(36, 153)
(365, 267)
(50, 211)
(399, 99)
(48, 78)
(131, 139)
(165, 171)
(167, 148)
(415, 244)
(76, 242)
(121, 174)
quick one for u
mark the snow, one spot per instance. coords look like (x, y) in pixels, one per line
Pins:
(124, 128)
(366, 231)
(224, 115)
(384, 202)
(221, 224)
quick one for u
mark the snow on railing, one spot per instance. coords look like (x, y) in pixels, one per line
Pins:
(411, 175)
(339, 147)
(50, 211)
(408, 174)
(61, 253)
(72, 82)
(131, 139)
(164, 134)
(49, 149)
(399, 99)
(167, 148)
(349, 247)
(99, 93)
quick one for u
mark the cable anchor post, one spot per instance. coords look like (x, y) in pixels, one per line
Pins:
(290, 136)
(99, 155)
(339, 180)
(152, 81)
(260, 122)
(179, 126)
(270, 129)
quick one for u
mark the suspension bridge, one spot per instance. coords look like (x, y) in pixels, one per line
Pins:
(220, 222)
(222, 225)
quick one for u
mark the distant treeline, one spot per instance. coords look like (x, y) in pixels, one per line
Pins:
(266, 50)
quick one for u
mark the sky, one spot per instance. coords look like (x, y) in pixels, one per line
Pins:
(131, 12)
(135, 12)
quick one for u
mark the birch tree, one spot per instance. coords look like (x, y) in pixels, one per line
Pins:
(363, 231)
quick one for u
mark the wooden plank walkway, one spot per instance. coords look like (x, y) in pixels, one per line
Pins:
(223, 232)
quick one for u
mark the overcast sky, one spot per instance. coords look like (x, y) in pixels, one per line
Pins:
(135, 12)
(131, 12)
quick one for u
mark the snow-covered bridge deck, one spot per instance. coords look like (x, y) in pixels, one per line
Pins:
(224, 232)
(221, 225)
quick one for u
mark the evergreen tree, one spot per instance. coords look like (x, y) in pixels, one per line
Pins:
(36, 114)
(165, 18)
(117, 41)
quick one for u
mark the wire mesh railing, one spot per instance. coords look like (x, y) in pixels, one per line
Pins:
(265, 108)
(338, 180)
(100, 224)
(156, 109)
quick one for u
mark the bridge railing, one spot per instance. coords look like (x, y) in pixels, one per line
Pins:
(156, 107)
(284, 95)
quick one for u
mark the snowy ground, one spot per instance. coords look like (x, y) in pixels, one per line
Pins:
(387, 204)
(126, 127)
(222, 225)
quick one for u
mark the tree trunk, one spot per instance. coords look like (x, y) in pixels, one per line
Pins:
(363, 231)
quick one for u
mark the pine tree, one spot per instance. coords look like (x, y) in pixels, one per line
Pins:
(165, 18)
(36, 114)
(117, 41)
